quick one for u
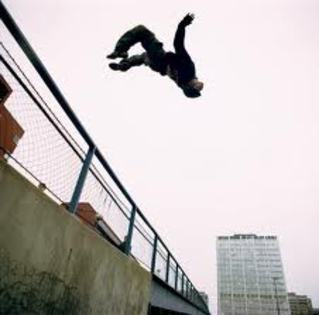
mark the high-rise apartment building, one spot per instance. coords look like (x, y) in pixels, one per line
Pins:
(250, 276)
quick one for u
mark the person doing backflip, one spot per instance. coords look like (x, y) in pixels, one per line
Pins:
(178, 66)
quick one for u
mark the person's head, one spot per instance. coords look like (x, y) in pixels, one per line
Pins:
(193, 88)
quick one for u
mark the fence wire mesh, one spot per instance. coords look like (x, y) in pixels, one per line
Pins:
(41, 149)
(142, 242)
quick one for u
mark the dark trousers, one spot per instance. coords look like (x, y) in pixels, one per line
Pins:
(154, 55)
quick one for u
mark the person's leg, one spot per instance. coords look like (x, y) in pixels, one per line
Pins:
(133, 61)
(138, 34)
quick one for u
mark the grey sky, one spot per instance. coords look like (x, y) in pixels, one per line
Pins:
(242, 158)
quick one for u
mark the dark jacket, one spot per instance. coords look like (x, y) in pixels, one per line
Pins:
(180, 62)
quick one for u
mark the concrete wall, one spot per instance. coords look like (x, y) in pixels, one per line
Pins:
(50, 263)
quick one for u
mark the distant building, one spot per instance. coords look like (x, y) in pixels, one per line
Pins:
(315, 311)
(204, 296)
(300, 304)
(250, 275)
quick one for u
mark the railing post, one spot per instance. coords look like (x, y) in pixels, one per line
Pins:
(154, 254)
(167, 266)
(183, 284)
(176, 276)
(81, 180)
(129, 236)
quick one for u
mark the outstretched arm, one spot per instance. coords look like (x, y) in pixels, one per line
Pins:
(180, 33)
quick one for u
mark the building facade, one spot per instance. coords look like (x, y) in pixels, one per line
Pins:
(300, 304)
(250, 276)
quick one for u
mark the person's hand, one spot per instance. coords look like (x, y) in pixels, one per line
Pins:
(188, 19)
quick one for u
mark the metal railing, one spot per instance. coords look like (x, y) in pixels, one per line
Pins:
(73, 168)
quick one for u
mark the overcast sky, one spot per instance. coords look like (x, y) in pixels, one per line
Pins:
(243, 158)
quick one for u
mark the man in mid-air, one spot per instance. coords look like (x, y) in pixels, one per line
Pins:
(178, 66)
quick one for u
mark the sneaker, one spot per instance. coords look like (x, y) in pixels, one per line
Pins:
(114, 66)
(119, 66)
(116, 54)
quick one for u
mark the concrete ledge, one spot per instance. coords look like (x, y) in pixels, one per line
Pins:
(51, 263)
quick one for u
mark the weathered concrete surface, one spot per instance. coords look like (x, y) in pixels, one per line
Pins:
(50, 263)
